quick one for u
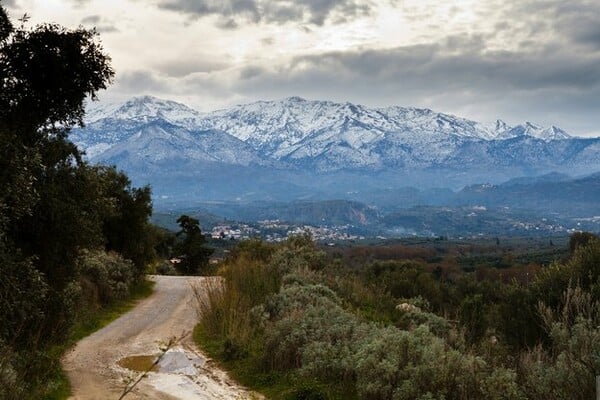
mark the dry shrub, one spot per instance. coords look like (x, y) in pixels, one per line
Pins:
(567, 370)
(226, 305)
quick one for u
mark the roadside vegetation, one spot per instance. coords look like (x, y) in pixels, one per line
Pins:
(75, 240)
(295, 322)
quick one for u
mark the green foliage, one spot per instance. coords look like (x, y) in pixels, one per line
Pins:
(105, 277)
(125, 227)
(415, 315)
(11, 387)
(192, 250)
(290, 320)
(394, 364)
(473, 317)
(165, 268)
(568, 367)
(406, 279)
(55, 209)
(586, 265)
(307, 393)
(23, 294)
(228, 307)
(517, 318)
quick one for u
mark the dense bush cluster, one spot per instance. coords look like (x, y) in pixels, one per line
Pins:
(105, 277)
(291, 311)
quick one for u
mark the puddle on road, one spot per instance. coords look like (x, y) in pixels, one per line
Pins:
(139, 363)
(174, 361)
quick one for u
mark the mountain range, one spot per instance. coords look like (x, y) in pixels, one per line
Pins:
(301, 149)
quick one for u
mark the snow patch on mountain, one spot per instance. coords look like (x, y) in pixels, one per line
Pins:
(537, 131)
(144, 109)
(317, 135)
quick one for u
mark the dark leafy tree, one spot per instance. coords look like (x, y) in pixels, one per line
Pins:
(54, 207)
(192, 249)
(51, 202)
(578, 239)
(126, 227)
(49, 205)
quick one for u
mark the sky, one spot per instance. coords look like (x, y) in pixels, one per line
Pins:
(517, 60)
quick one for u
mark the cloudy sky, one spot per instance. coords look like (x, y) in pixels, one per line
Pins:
(536, 60)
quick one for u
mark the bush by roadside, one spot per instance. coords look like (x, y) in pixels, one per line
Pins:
(291, 324)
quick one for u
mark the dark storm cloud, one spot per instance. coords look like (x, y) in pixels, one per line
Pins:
(227, 23)
(576, 22)
(274, 11)
(541, 85)
(251, 72)
(465, 65)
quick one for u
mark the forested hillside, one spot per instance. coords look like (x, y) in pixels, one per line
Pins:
(74, 237)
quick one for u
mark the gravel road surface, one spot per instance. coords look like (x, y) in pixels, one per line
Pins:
(183, 372)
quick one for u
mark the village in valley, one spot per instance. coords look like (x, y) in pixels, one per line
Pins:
(278, 231)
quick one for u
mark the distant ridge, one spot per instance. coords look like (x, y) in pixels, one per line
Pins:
(292, 140)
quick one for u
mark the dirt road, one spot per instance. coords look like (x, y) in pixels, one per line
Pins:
(94, 364)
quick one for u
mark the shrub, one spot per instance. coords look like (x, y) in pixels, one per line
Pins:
(285, 310)
(473, 315)
(568, 371)
(11, 385)
(405, 279)
(307, 393)
(394, 364)
(108, 276)
(580, 239)
(23, 297)
(166, 268)
(298, 252)
(301, 315)
(413, 314)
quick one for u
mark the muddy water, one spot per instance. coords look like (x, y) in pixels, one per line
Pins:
(139, 363)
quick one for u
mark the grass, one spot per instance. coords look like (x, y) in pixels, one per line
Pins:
(273, 385)
(92, 322)
(59, 387)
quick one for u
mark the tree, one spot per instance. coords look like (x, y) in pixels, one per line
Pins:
(49, 207)
(126, 227)
(51, 204)
(192, 249)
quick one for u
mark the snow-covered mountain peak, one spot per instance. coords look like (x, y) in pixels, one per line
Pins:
(295, 99)
(145, 108)
(500, 126)
(297, 128)
(555, 133)
(311, 135)
(539, 132)
(279, 127)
